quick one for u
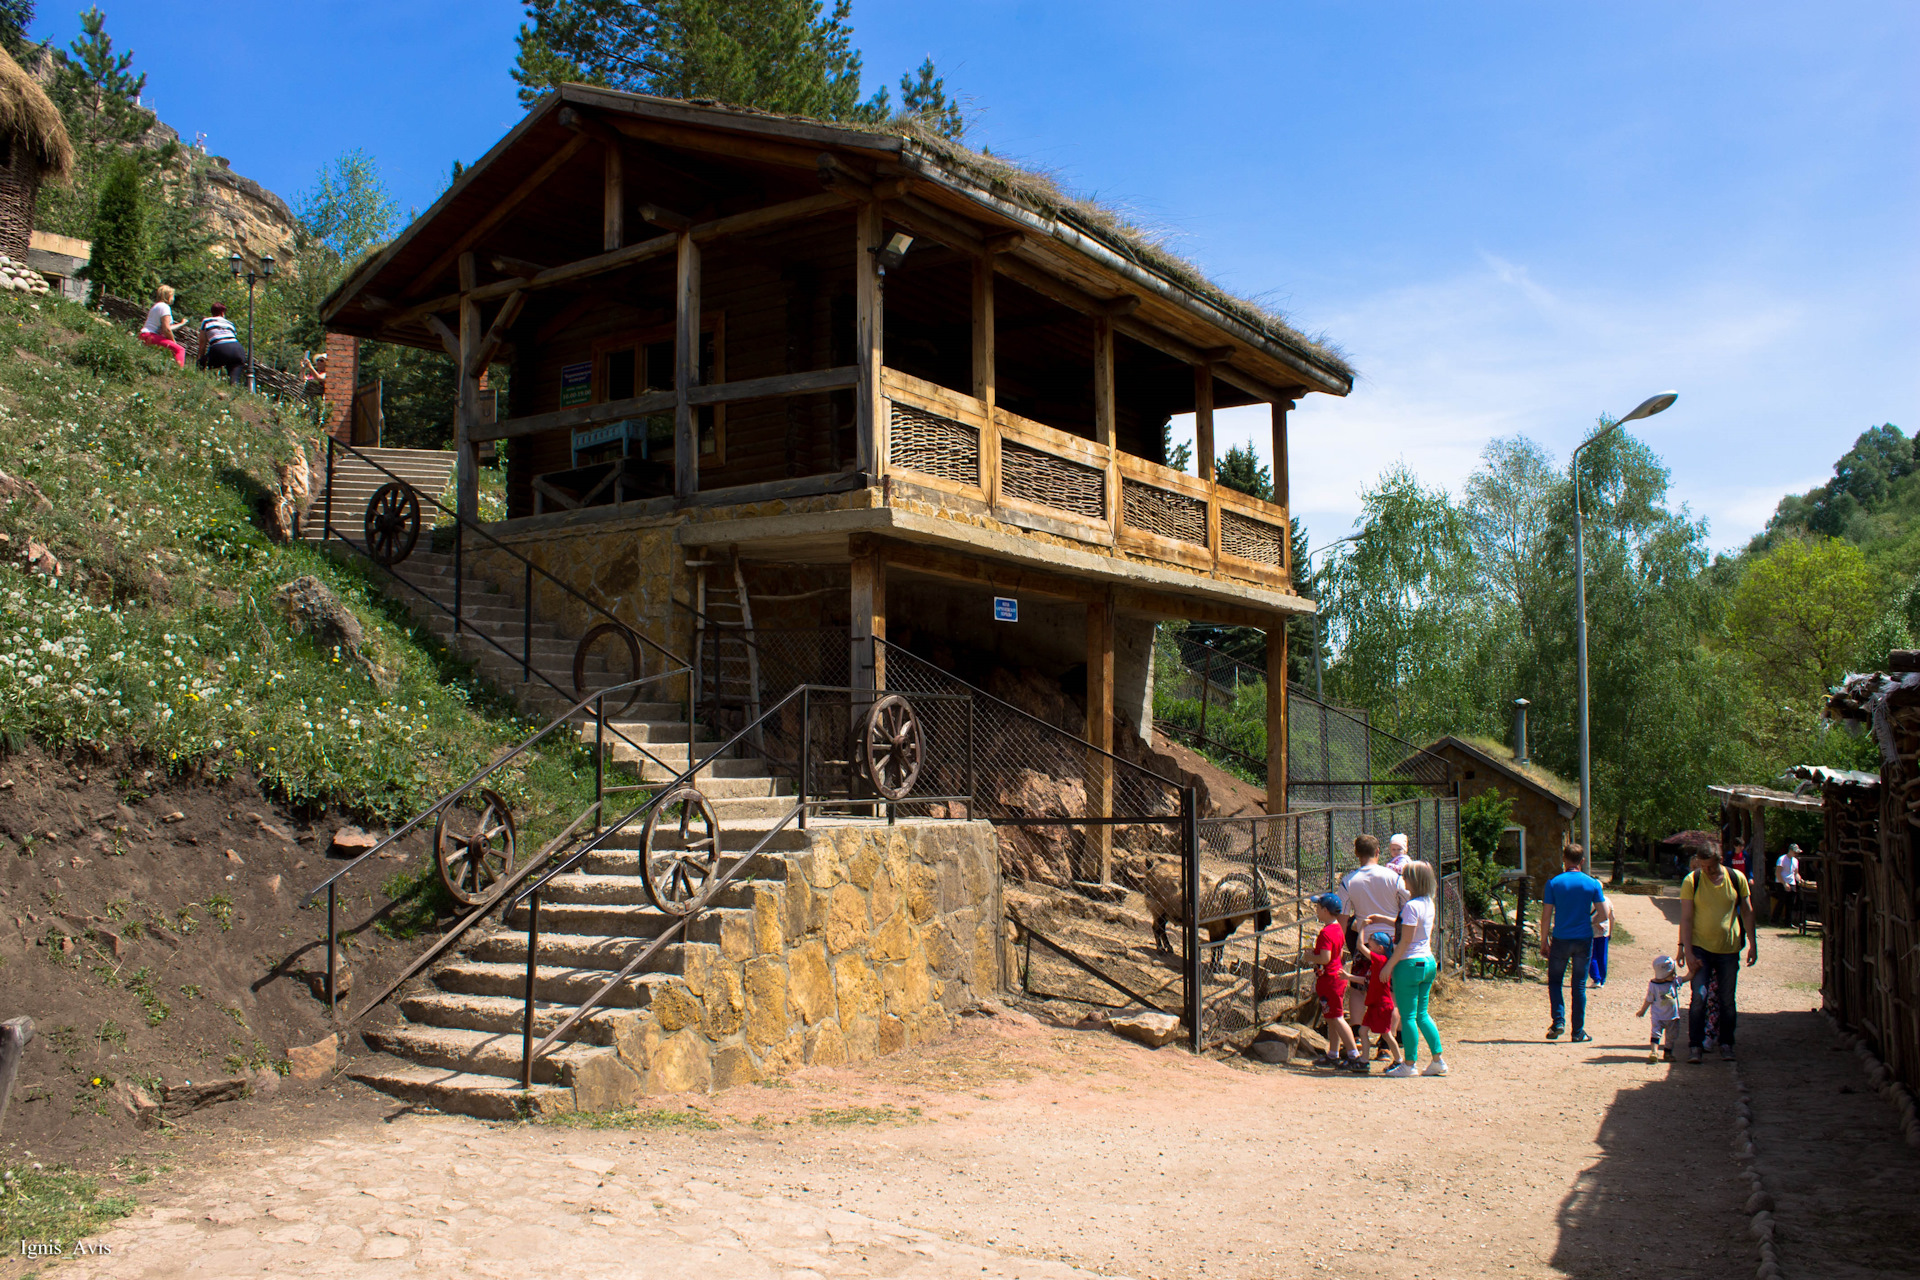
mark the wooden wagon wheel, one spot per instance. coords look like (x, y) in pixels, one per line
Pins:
(676, 877)
(473, 858)
(594, 635)
(393, 522)
(892, 747)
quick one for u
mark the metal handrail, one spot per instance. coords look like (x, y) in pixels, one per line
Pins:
(447, 801)
(530, 895)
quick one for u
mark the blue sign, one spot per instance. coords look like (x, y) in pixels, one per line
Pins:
(1005, 609)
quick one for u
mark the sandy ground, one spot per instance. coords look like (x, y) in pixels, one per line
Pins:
(1018, 1149)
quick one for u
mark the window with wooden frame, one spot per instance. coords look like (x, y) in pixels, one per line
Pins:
(641, 361)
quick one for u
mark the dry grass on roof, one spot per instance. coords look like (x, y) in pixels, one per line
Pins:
(1544, 778)
(27, 112)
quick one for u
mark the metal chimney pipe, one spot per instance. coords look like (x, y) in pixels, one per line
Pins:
(1520, 730)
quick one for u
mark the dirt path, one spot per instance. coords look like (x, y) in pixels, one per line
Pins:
(1017, 1149)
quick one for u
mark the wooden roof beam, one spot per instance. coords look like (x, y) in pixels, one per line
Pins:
(498, 214)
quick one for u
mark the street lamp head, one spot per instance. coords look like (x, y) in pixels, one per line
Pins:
(1652, 405)
(266, 269)
(235, 261)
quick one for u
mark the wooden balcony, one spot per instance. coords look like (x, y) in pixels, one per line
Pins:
(1027, 474)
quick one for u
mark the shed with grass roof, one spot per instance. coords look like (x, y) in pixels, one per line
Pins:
(1545, 805)
(810, 378)
(33, 149)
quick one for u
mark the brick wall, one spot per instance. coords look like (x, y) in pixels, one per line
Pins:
(343, 369)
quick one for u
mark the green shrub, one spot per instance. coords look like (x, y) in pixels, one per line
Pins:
(1482, 819)
(107, 353)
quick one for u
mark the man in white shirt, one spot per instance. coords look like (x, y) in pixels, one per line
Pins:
(1369, 889)
(1785, 890)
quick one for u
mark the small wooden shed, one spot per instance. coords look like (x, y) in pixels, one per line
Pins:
(1545, 805)
(33, 149)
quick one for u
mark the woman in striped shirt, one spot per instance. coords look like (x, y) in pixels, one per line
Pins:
(220, 346)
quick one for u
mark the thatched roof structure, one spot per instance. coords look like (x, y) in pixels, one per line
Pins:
(28, 114)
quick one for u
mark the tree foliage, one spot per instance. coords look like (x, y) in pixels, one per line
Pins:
(1863, 480)
(1242, 471)
(15, 17)
(791, 56)
(1482, 820)
(119, 234)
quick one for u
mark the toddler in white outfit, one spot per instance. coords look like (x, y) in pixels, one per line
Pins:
(1663, 1000)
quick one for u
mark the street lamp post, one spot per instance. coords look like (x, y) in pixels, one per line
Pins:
(265, 272)
(1645, 409)
(1319, 689)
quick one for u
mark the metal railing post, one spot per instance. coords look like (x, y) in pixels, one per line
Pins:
(326, 513)
(526, 628)
(333, 951)
(1190, 884)
(459, 528)
(806, 748)
(972, 777)
(599, 761)
(526, 1021)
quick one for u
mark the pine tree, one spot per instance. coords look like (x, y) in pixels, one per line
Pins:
(99, 97)
(119, 234)
(791, 56)
(1241, 470)
(15, 17)
(923, 95)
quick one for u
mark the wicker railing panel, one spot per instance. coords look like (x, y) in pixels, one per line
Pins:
(1049, 481)
(1251, 539)
(1151, 509)
(933, 445)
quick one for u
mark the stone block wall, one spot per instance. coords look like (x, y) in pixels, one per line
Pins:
(876, 941)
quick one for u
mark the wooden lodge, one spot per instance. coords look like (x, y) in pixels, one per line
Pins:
(862, 378)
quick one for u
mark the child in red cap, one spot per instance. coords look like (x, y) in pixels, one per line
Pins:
(1378, 1018)
(1330, 984)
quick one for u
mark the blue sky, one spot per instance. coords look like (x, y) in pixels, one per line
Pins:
(1512, 216)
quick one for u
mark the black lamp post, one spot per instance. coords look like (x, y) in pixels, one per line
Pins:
(265, 272)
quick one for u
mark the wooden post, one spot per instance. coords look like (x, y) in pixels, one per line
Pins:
(868, 329)
(614, 214)
(1203, 421)
(467, 397)
(1281, 497)
(1104, 410)
(1277, 716)
(868, 668)
(1100, 732)
(686, 369)
(983, 370)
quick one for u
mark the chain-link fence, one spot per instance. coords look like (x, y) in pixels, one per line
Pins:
(1335, 755)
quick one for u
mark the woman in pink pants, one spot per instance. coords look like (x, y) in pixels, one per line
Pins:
(158, 330)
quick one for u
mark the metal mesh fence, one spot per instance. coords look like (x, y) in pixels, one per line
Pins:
(1258, 877)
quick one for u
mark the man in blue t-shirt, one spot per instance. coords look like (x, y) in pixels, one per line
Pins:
(1566, 938)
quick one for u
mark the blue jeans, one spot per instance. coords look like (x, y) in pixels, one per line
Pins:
(1561, 953)
(1727, 968)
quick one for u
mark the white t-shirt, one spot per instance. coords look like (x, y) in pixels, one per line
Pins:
(1663, 999)
(1373, 890)
(1603, 928)
(159, 312)
(1417, 915)
(1787, 870)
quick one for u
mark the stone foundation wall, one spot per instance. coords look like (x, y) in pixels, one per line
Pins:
(877, 940)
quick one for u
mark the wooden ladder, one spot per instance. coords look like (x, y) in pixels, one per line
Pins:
(725, 606)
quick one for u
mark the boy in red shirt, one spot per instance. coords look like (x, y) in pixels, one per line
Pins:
(1378, 1018)
(1330, 984)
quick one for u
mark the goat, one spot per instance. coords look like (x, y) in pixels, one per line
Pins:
(1235, 897)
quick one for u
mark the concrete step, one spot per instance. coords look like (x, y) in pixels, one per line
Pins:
(485, 1097)
(735, 838)
(614, 920)
(665, 732)
(623, 861)
(585, 953)
(552, 983)
(623, 887)
(503, 1014)
(483, 1053)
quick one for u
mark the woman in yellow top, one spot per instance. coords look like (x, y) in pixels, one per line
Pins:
(1716, 912)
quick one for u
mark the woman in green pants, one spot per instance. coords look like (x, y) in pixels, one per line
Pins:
(1412, 970)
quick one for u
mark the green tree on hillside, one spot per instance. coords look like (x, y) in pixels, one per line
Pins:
(15, 17)
(790, 56)
(1863, 479)
(98, 95)
(1800, 612)
(1242, 470)
(119, 234)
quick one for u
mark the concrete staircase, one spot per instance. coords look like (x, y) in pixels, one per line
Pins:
(429, 471)
(459, 1047)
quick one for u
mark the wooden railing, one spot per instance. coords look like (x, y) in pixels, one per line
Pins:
(1039, 477)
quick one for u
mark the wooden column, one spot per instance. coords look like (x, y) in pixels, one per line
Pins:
(868, 667)
(467, 395)
(613, 215)
(869, 430)
(1100, 734)
(1277, 715)
(1104, 409)
(686, 368)
(983, 370)
(1281, 497)
(1203, 421)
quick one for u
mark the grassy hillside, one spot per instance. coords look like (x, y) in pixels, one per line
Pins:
(159, 637)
